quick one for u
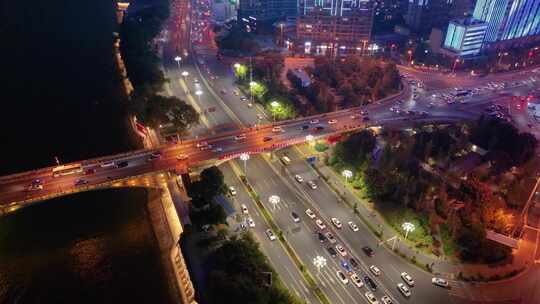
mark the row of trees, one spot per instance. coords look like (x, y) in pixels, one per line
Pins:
(241, 273)
(395, 175)
(506, 146)
(140, 53)
(237, 40)
(352, 81)
(204, 210)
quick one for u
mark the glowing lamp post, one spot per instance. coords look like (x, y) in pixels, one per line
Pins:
(275, 105)
(236, 65)
(274, 200)
(455, 65)
(319, 262)
(185, 74)
(347, 174)
(199, 93)
(310, 139)
(410, 55)
(178, 60)
(245, 158)
(408, 227)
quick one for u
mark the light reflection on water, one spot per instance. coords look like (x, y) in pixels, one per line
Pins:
(92, 249)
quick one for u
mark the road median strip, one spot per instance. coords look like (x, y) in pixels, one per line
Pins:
(290, 251)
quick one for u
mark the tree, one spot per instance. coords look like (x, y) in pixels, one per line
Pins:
(470, 240)
(356, 148)
(239, 271)
(237, 39)
(214, 180)
(156, 110)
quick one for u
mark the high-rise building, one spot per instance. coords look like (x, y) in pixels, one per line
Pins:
(465, 37)
(423, 15)
(334, 27)
(267, 10)
(509, 19)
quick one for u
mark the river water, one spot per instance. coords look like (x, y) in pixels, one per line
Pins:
(95, 247)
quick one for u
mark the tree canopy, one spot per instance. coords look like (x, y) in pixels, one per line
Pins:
(156, 111)
(241, 273)
(237, 39)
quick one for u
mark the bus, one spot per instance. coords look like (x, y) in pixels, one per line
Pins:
(66, 170)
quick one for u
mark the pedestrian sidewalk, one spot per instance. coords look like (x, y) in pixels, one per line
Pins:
(523, 257)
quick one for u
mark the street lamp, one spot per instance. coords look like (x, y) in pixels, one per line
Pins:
(410, 55)
(236, 65)
(245, 158)
(199, 93)
(274, 200)
(178, 60)
(455, 65)
(319, 262)
(275, 105)
(347, 174)
(310, 139)
(185, 73)
(408, 227)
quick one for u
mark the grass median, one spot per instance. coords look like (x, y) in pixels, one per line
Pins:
(290, 251)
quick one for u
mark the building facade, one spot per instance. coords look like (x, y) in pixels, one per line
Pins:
(465, 37)
(267, 10)
(334, 27)
(423, 15)
(508, 20)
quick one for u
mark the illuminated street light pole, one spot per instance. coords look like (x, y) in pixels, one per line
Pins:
(347, 174)
(274, 104)
(178, 60)
(455, 65)
(410, 52)
(310, 138)
(245, 158)
(274, 200)
(185, 74)
(319, 262)
(199, 93)
(408, 227)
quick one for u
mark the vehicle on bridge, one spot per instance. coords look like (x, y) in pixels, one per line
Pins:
(66, 170)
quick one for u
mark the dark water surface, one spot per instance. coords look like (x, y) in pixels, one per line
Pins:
(94, 247)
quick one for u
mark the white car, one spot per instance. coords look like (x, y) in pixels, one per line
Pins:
(407, 278)
(375, 270)
(371, 298)
(404, 289)
(251, 223)
(341, 250)
(277, 129)
(314, 121)
(440, 282)
(336, 223)
(320, 224)
(312, 185)
(310, 214)
(353, 226)
(356, 280)
(298, 178)
(332, 121)
(386, 300)
(270, 234)
(342, 277)
(232, 190)
(244, 209)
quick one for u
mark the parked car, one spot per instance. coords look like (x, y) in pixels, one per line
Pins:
(232, 190)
